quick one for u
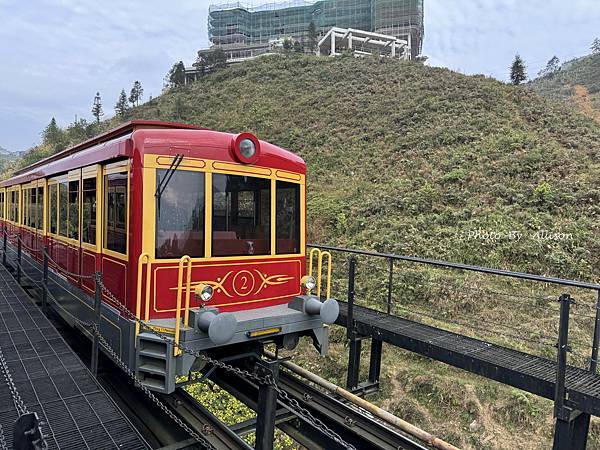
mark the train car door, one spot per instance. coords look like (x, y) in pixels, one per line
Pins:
(115, 228)
(91, 236)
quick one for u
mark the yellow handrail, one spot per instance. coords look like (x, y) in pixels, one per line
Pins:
(319, 278)
(143, 259)
(188, 284)
(188, 260)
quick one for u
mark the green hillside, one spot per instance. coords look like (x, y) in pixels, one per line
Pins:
(424, 161)
(578, 81)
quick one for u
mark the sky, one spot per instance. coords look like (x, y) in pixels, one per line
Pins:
(55, 54)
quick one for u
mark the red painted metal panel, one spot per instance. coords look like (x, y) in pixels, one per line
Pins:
(238, 285)
(114, 272)
(88, 267)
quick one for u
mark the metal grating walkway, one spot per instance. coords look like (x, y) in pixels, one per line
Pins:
(53, 382)
(531, 373)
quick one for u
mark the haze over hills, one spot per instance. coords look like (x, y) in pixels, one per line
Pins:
(577, 81)
(410, 159)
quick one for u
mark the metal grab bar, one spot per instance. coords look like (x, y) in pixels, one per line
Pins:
(188, 261)
(143, 259)
(320, 255)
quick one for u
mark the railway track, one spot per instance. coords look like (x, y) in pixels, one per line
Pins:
(358, 427)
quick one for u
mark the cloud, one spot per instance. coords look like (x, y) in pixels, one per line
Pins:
(483, 36)
(57, 53)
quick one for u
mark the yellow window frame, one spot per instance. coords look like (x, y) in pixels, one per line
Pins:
(209, 167)
(92, 172)
(117, 167)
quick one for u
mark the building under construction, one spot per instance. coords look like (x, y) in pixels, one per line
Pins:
(244, 32)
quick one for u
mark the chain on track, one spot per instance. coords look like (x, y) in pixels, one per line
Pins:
(3, 444)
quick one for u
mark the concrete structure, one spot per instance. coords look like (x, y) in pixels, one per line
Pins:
(245, 32)
(362, 43)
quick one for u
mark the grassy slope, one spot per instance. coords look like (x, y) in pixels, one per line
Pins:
(578, 81)
(410, 159)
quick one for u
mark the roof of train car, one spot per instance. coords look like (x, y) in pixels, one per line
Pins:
(154, 135)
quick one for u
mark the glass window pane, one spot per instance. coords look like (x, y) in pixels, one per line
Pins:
(241, 215)
(53, 205)
(74, 209)
(33, 208)
(115, 214)
(25, 192)
(180, 215)
(288, 218)
(40, 208)
(63, 208)
(88, 215)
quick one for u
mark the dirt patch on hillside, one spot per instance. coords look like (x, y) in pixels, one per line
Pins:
(582, 97)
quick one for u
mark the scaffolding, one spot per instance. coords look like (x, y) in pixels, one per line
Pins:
(237, 28)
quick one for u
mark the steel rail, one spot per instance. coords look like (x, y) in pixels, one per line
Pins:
(201, 419)
(460, 266)
(358, 428)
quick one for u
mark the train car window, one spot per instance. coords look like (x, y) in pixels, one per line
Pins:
(32, 207)
(63, 209)
(180, 215)
(1, 205)
(115, 213)
(73, 228)
(14, 206)
(88, 215)
(53, 196)
(26, 207)
(288, 218)
(241, 215)
(40, 208)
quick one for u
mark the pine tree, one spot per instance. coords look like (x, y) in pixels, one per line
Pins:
(517, 71)
(136, 94)
(551, 68)
(312, 36)
(97, 107)
(596, 46)
(51, 134)
(122, 106)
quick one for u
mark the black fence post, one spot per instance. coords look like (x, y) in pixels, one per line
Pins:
(390, 286)
(596, 343)
(350, 313)
(354, 344)
(375, 361)
(571, 426)
(19, 259)
(4, 245)
(267, 407)
(45, 282)
(97, 320)
(563, 348)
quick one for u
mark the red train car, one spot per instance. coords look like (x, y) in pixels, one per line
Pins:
(200, 234)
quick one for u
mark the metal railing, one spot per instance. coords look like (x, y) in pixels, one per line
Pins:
(319, 255)
(185, 264)
(565, 300)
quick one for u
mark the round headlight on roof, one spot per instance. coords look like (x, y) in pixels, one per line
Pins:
(245, 148)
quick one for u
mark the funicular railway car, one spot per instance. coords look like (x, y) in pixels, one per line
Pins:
(200, 234)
